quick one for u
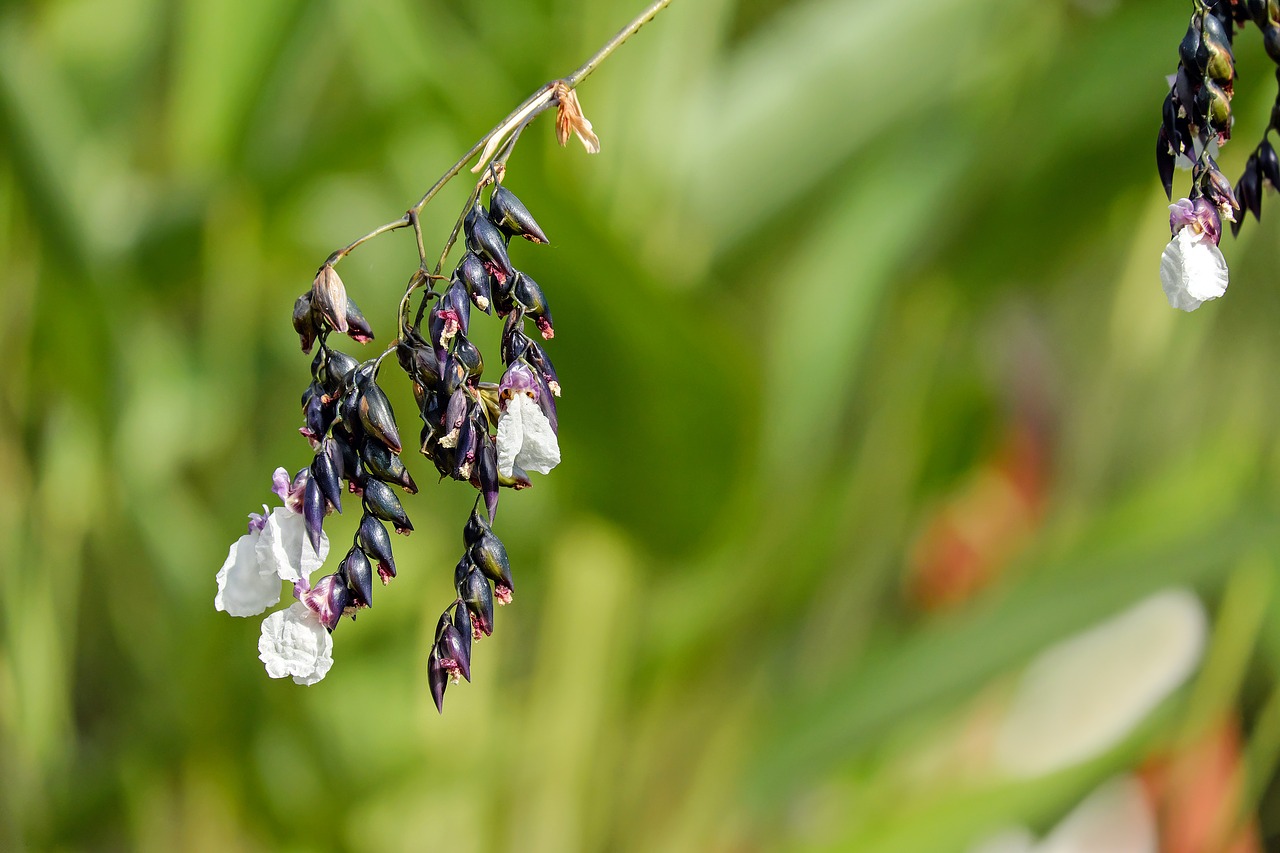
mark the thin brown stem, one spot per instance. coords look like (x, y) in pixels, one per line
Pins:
(614, 43)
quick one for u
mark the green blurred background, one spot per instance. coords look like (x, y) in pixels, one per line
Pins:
(839, 266)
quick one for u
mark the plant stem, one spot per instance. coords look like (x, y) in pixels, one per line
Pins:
(530, 106)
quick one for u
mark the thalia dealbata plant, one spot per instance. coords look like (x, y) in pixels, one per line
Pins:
(490, 435)
(1196, 121)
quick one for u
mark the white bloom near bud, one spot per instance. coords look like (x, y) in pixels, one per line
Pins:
(1192, 270)
(244, 588)
(526, 440)
(294, 643)
(284, 549)
(1082, 696)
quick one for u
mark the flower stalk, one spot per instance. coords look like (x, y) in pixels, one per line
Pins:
(486, 434)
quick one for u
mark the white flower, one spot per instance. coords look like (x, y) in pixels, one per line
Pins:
(285, 549)
(1192, 269)
(293, 642)
(1082, 696)
(526, 440)
(244, 588)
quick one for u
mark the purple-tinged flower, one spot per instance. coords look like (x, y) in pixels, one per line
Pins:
(328, 599)
(1192, 269)
(294, 643)
(526, 440)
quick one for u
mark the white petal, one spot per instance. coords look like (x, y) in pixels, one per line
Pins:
(1192, 270)
(510, 437)
(526, 439)
(293, 642)
(285, 549)
(243, 590)
(1085, 694)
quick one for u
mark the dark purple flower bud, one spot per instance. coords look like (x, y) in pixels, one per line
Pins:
(352, 469)
(328, 599)
(477, 525)
(313, 507)
(462, 621)
(379, 500)
(454, 375)
(318, 415)
(377, 417)
(1271, 41)
(1249, 190)
(325, 475)
(303, 321)
(359, 574)
(484, 238)
(376, 543)
(1268, 164)
(1217, 188)
(1214, 52)
(490, 556)
(337, 368)
(358, 328)
(464, 452)
(547, 402)
(468, 356)
(530, 297)
(1190, 45)
(485, 473)
(1165, 160)
(540, 362)
(478, 597)
(1213, 104)
(329, 297)
(380, 462)
(456, 299)
(455, 656)
(454, 416)
(514, 341)
(462, 569)
(437, 680)
(512, 217)
(471, 272)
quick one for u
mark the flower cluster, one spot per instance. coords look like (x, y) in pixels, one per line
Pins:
(1196, 122)
(489, 435)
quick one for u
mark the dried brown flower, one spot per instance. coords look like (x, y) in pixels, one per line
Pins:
(569, 117)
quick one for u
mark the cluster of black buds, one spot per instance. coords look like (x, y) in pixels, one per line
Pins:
(352, 428)
(472, 430)
(1197, 111)
(485, 434)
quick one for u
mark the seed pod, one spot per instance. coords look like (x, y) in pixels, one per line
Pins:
(356, 569)
(329, 297)
(338, 368)
(451, 648)
(484, 238)
(352, 469)
(471, 272)
(325, 475)
(377, 417)
(303, 322)
(490, 556)
(454, 374)
(512, 217)
(530, 297)
(464, 452)
(1213, 105)
(478, 597)
(376, 543)
(358, 328)
(1213, 55)
(380, 462)
(437, 679)
(379, 500)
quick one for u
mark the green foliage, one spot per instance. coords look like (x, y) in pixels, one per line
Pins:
(827, 249)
